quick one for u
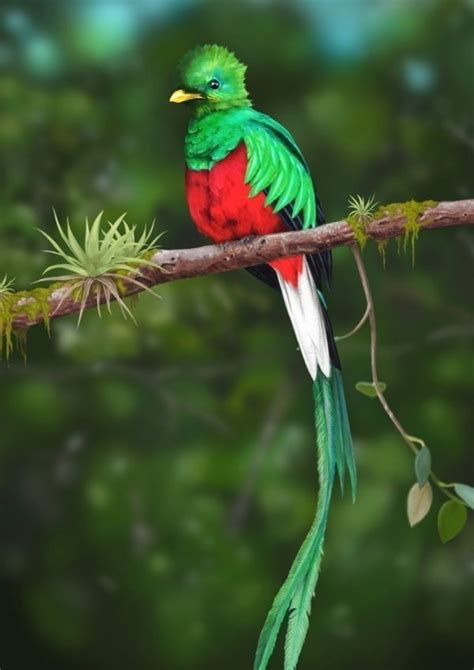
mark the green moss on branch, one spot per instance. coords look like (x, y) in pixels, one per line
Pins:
(412, 211)
(33, 304)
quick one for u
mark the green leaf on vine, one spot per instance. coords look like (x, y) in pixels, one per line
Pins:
(423, 465)
(419, 502)
(466, 493)
(369, 389)
(451, 520)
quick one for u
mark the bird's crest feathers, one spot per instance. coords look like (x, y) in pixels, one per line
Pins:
(217, 74)
(210, 56)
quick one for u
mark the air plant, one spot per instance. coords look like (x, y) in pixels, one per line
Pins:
(361, 209)
(6, 286)
(105, 258)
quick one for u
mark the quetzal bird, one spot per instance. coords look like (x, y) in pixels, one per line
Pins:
(245, 175)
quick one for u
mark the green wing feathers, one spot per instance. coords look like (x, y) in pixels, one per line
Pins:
(295, 596)
(277, 166)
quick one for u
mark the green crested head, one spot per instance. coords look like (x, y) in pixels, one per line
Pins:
(213, 79)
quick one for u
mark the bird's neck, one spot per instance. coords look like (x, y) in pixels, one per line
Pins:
(211, 137)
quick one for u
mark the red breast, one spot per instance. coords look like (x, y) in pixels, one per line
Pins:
(221, 207)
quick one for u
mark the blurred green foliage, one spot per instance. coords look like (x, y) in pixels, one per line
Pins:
(133, 534)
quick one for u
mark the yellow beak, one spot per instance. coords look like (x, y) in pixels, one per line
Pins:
(183, 96)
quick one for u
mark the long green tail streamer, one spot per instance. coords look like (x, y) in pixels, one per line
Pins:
(334, 445)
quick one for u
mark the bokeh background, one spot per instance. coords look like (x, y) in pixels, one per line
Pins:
(156, 481)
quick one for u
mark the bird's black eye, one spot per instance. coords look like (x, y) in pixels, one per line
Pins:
(214, 84)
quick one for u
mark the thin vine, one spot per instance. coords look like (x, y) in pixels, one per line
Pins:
(453, 514)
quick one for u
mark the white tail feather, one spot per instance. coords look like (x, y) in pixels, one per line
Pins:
(305, 312)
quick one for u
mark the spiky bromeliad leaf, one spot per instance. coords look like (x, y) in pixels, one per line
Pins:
(6, 286)
(361, 209)
(104, 258)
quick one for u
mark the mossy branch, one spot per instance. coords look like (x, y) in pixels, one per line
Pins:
(404, 220)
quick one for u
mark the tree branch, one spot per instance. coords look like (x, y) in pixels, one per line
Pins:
(200, 261)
